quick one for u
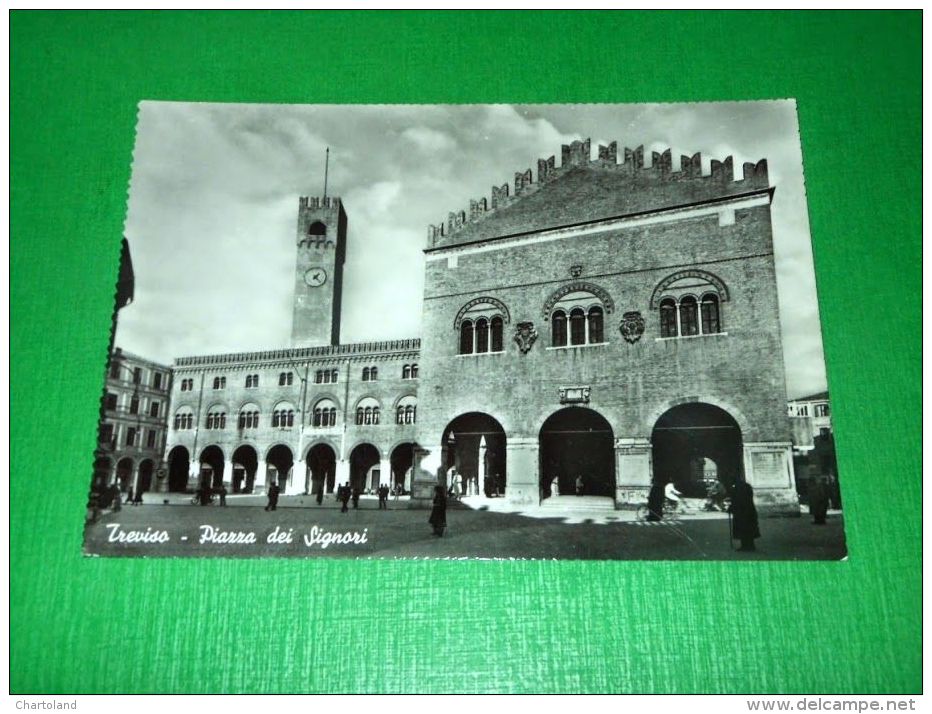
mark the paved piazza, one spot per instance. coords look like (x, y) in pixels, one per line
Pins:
(475, 530)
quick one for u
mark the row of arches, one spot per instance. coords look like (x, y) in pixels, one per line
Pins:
(125, 473)
(364, 472)
(692, 444)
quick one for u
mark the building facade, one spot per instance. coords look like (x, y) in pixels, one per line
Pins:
(603, 323)
(133, 429)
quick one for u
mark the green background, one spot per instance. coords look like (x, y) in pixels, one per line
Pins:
(97, 625)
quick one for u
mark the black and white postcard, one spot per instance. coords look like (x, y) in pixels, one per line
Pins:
(482, 331)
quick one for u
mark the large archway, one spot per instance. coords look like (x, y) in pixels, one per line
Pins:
(322, 464)
(144, 481)
(124, 473)
(575, 443)
(179, 464)
(475, 444)
(279, 460)
(363, 460)
(401, 460)
(695, 444)
(245, 464)
(211, 470)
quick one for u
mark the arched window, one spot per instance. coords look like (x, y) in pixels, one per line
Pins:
(184, 419)
(365, 374)
(596, 332)
(481, 324)
(466, 337)
(367, 411)
(406, 372)
(249, 417)
(482, 335)
(333, 375)
(668, 317)
(360, 415)
(498, 326)
(709, 310)
(317, 229)
(558, 322)
(275, 418)
(373, 374)
(689, 318)
(216, 418)
(324, 414)
(577, 314)
(406, 411)
(577, 326)
(413, 371)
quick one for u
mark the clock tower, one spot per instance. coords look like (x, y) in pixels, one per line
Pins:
(318, 288)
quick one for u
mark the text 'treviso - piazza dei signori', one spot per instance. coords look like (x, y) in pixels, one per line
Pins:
(599, 319)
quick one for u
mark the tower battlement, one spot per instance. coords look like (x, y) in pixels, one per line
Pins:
(688, 184)
(316, 203)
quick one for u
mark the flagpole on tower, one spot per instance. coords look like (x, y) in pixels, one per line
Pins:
(326, 169)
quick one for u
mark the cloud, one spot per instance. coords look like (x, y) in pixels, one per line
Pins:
(429, 140)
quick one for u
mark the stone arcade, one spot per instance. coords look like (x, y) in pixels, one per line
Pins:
(603, 320)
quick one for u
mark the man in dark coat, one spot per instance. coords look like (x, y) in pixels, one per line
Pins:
(344, 497)
(818, 500)
(438, 514)
(383, 497)
(273, 498)
(356, 493)
(655, 503)
(744, 516)
(320, 493)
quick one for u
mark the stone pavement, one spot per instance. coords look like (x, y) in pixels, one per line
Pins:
(479, 528)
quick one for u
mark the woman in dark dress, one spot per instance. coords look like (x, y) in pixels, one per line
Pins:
(438, 515)
(818, 500)
(744, 516)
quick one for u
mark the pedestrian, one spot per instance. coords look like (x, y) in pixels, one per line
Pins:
(818, 500)
(744, 516)
(93, 507)
(555, 486)
(383, 497)
(137, 499)
(116, 497)
(129, 496)
(834, 492)
(580, 485)
(273, 497)
(320, 493)
(438, 514)
(223, 494)
(356, 493)
(344, 497)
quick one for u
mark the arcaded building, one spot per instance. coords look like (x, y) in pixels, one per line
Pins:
(600, 322)
(608, 321)
(309, 416)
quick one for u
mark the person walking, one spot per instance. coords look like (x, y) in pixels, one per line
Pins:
(383, 497)
(356, 493)
(818, 500)
(344, 497)
(580, 485)
(320, 493)
(744, 525)
(438, 514)
(116, 497)
(137, 499)
(273, 498)
(223, 494)
(129, 496)
(555, 487)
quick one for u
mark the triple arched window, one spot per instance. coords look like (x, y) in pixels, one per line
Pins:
(283, 418)
(216, 418)
(184, 419)
(690, 303)
(367, 412)
(482, 335)
(248, 417)
(326, 376)
(325, 414)
(406, 411)
(575, 320)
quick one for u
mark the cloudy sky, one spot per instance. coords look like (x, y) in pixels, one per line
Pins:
(214, 194)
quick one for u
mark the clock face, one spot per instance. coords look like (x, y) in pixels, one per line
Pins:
(315, 277)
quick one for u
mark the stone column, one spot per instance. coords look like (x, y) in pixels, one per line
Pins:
(228, 475)
(342, 473)
(385, 473)
(633, 471)
(768, 467)
(260, 485)
(522, 471)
